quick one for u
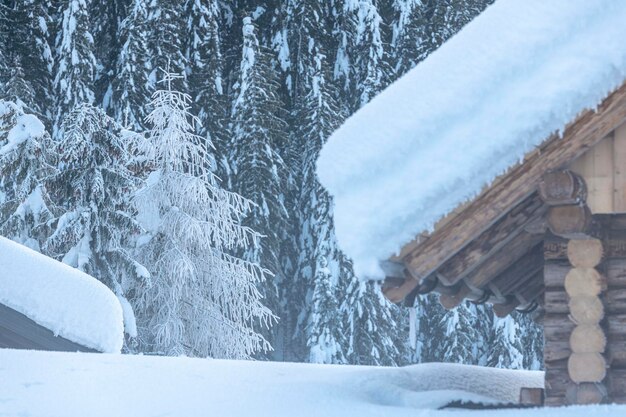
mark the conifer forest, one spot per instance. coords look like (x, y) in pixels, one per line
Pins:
(169, 150)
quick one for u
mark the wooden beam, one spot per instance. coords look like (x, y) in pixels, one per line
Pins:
(517, 184)
(492, 240)
(562, 187)
(520, 272)
(504, 258)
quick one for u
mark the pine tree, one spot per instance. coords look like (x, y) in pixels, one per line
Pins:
(203, 301)
(23, 168)
(26, 50)
(106, 18)
(361, 63)
(166, 36)
(131, 83)
(410, 35)
(258, 171)
(90, 197)
(461, 338)
(75, 64)
(374, 335)
(205, 76)
(506, 350)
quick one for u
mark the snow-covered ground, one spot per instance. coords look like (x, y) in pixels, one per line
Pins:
(52, 384)
(518, 72)
(63, 299)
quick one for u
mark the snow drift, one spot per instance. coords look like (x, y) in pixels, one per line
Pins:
(518, 72)
(65, 300)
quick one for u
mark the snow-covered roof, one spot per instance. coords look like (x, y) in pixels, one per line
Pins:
(52, 384)
(432, 140)
(71, 303)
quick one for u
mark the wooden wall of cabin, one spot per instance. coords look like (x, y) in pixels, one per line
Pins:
(559, 323)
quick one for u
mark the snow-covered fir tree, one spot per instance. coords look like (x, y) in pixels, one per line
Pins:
(202, 300)
(461, 339)
(374, 333)
(23, 168)
(28, 55)
(506, 350)
(75, 66)
(130, 85)
(106, 18)
(205, 70)
(361, 63)
(258, 172)
(166, 37)
(90, 193)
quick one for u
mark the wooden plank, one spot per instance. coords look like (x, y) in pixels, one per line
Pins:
(600, 193)
(557, 327)
(557, 384)
(520, 272)
(531, 396)
(616, 324)
(617, 384)
(554, 273)
(615, 300)
(619, 167)
(554, 248)
(504, 258)
(616, 351)
(597, 169)
(556, 302)
(517, 184)
(491, 241)
(615, 272)
(19, 332)
(532, 290)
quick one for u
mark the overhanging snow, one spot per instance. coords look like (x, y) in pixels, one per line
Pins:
(472, 109)
(71, 303)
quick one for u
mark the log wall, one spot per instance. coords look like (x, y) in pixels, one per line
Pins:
(602, 326)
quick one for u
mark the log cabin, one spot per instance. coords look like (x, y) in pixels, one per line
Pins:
(495, 171)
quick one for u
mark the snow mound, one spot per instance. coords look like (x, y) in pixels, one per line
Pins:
(55, 384)
(518, 72)
(71, 303)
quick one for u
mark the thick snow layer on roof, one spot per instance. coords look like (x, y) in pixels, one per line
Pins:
(71, 303)
(53, 384)
(432, 140)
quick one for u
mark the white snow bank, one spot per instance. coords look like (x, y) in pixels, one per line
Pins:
(55, 384)
(71, 303)
(518, 72)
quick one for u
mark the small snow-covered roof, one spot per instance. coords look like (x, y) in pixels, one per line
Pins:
(62, 384)
(63, 299)
(491, 94)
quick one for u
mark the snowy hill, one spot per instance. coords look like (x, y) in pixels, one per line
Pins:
(55, 384)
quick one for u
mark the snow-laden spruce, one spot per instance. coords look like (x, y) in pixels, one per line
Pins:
(23, 168)
(257, 170)
(75, 62)
(472, 109)
(202, 301)
(90, 193)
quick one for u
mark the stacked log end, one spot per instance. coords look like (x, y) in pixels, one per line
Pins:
(584, 285)
(576, 367)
